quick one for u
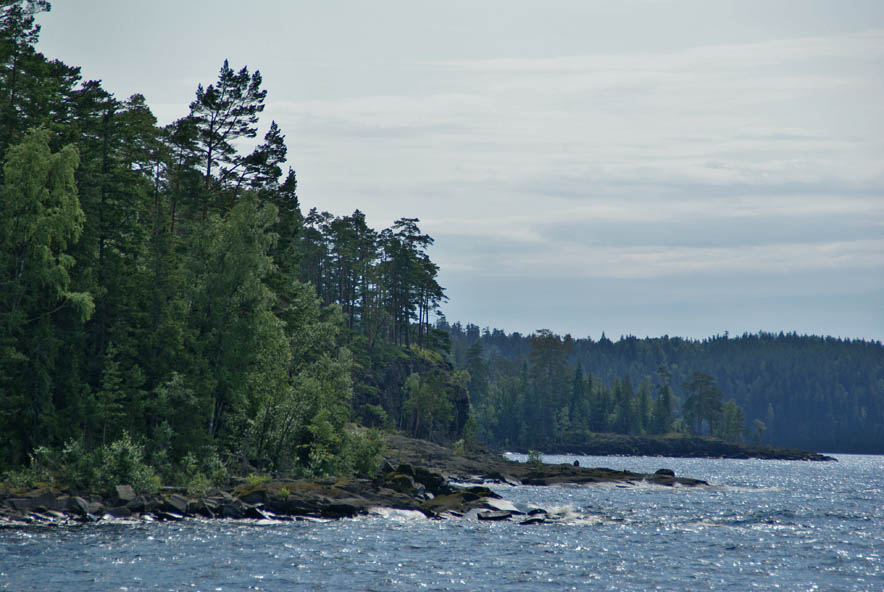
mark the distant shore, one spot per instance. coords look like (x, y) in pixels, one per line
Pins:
(676, 446)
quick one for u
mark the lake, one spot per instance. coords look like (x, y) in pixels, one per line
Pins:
(787, 525)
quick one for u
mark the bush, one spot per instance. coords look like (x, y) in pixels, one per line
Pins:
(38, 473)
(364, 451)
(535, 459)
(123, 462)
(254, 480)
(198, 485)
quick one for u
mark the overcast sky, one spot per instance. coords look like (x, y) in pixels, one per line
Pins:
(636, 167)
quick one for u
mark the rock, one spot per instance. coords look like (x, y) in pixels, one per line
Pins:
(406, 469)
(400, 482)
(386, 467)
(434, 482)
(461, 501)
(502, 505)
(125, 494)
(256, 512)
(344, 508)
(232, 510)
(120, 512)
(494, 515)
(531, 521)
(203, 507)
(79, 505)
(22, 504)
(175, 503)
(142, 504)
(667, 472)
(576, 463)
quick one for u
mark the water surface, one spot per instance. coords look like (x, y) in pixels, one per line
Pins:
(787, 525)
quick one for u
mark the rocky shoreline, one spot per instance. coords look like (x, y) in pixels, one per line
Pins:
(416, 476)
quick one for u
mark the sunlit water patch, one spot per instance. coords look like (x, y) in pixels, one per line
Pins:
(763, 525)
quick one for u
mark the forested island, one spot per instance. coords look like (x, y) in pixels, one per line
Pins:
(170, 315)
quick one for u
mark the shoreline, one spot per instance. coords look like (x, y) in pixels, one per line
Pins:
(416, 475)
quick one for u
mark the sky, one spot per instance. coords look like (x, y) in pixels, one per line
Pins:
(633, 167)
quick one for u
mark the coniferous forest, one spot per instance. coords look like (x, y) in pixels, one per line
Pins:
(789, 390)
(166, 303)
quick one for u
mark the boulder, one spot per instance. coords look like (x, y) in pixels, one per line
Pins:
(125, 494)
(433, 482)
(667, 472)
(400, 482)
(502, 505)
(120, 512)
(22, 504)
(494, 515)
(234, 509)
(79, 505)
(176, 503)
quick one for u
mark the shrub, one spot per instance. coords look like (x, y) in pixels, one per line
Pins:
(535, 459)
(123, 462)
(364, 451)
(254, 480)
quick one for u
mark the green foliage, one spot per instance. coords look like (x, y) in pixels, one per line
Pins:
(535, 459)
(38, 473)
(169, 305)
(122, 462)
(254, 480)
(365, 450)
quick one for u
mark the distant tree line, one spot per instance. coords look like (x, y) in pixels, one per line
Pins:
(784, 389)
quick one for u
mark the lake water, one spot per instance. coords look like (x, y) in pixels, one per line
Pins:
(764, 525)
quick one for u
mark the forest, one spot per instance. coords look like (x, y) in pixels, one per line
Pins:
(165, 303)
(167, 308)
(789, 390)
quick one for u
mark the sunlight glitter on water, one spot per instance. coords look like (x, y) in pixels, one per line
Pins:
(768, 524)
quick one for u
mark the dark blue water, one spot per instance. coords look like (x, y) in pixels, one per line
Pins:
(765, 525)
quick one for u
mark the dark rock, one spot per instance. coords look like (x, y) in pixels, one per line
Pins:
(143, 503)
(386, 467)
(120, 512)
(79, 505)
(46, 500)
(343, 509)
(530, 521)
(256, 512)
(175, 503)
(667, 472)
(125, 494)
(203, 507)
(232, 510)
(434, 482)
(400, 482)
(494, 515)
(576, 463)
(406, 469)
(22, 504)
